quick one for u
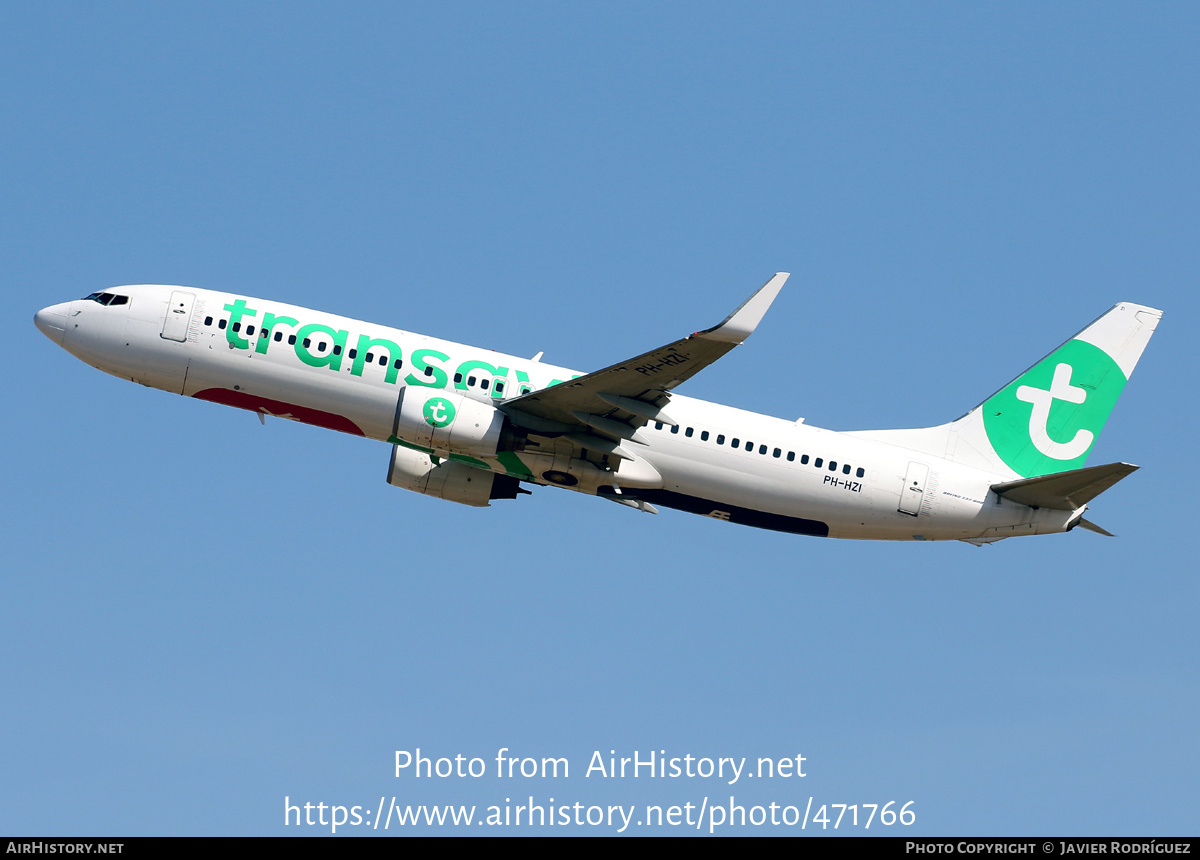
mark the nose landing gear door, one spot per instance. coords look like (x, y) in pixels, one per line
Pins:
(913, 491)
(179, 314)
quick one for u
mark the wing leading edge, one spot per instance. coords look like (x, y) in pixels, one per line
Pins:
(638, 390)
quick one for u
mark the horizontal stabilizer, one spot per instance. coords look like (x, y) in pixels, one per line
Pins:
(1064, 491)
(1092, 527)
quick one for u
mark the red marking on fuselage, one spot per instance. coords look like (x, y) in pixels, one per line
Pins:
(254, 403)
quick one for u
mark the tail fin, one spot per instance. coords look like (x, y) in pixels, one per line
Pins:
(1048, 418)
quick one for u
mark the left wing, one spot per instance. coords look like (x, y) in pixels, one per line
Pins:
(637, 390)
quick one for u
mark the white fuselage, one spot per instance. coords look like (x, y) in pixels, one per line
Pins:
(347, 375)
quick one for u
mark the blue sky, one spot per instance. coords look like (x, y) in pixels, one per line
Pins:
(201, 616)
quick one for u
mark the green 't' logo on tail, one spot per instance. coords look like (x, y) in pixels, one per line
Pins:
(1046, 420)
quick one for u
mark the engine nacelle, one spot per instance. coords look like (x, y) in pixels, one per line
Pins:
(455, 482)
(444, 421)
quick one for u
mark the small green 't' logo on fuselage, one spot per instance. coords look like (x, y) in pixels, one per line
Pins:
(438, 411)
(1046, 420)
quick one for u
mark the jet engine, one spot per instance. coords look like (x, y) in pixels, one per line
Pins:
(455, 482)
(447, 422)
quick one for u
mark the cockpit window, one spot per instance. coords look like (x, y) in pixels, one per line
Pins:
(107, 299)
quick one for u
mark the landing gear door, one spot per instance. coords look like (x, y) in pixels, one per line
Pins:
(913, 491)
(179, 315)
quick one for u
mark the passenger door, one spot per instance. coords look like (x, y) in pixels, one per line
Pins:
(179, 315)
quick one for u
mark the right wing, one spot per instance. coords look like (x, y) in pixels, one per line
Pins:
(638, 390)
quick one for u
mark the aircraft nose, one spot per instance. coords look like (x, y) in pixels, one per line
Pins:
(52, 321)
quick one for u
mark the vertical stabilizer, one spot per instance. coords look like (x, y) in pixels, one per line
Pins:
(1047, 419)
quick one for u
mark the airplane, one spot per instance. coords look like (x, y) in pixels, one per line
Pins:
(472, 426)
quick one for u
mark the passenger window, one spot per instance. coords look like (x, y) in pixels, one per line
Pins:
(292, 340)
(499, 387)
(471, 381)
(804, 460)
(457, 378)
(483, 383)
(370, 355)
(396, 364)
(791, 456)
(818, 462)
(525, 389)
(860, 472)
(776, 453)
(307, 342)
(278, 336)
(352, 353)
(208, 320)
(383, 360)
(337, 349)
(704, 436)
(222, 324)
(321, 346)
(688, 432)
(749, 446)
(237, 326)
(249, 330)
(736, 443)
(846, 469)
(658, 425)
(675, 428)
(720, 438)
(833, 465)
(429, 370)
(762, 449)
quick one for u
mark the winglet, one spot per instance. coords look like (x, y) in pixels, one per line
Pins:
(740, 324)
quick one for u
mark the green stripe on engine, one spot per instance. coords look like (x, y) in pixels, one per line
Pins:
(512, 464)
(396, 440)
